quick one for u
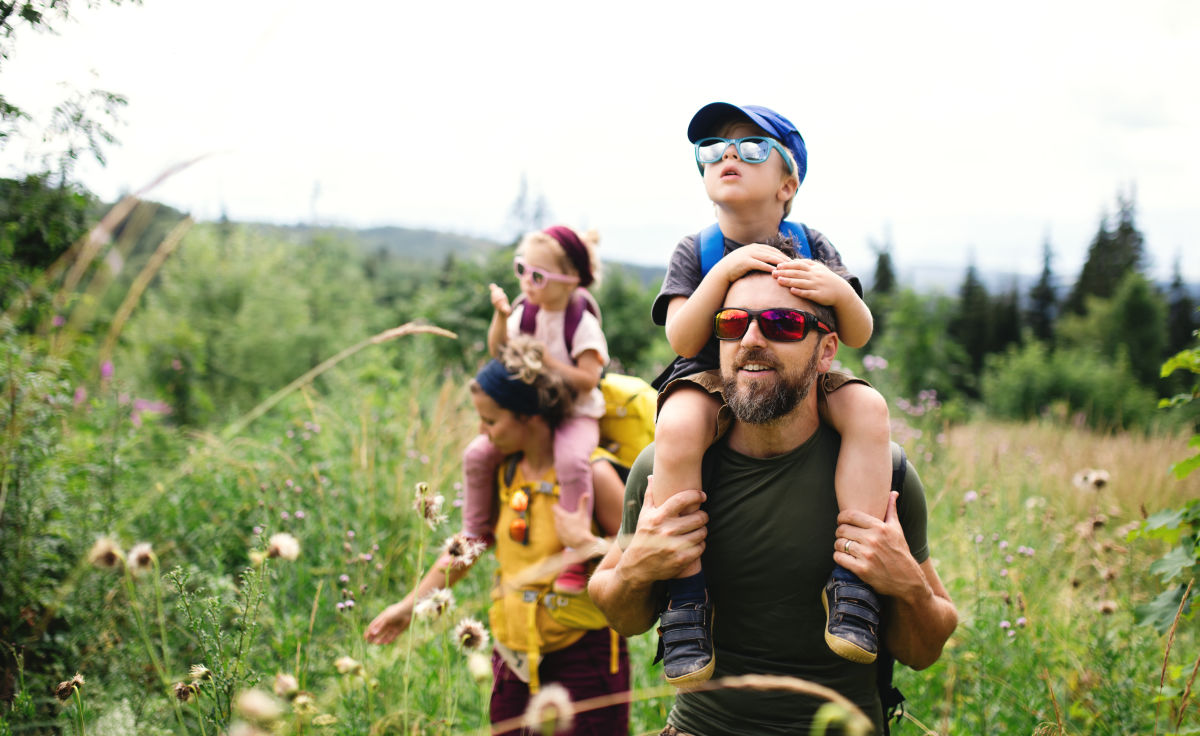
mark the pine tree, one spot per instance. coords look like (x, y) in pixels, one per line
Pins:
(971, 326)
(1181, 313)
(1043, 300)
(1114, 253)
(1005, 323)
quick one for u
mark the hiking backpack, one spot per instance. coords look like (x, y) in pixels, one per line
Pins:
(710, 244)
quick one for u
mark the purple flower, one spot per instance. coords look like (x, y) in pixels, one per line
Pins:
(299, 513)
(106, 370)
(1021, 622)
(970, 497)
(257, 530)
(874, 362)
(1005, 624)
(343, 578)
(176, 364)
(81, 395)
(1004, 572)
(58, 320)
(284, 515)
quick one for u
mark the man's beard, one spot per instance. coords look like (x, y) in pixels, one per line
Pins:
(762, 404)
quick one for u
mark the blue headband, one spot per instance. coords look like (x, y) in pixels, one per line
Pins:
(507, 390)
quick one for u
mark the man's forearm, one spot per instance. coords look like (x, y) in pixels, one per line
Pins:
(921, 622)
(630, 607)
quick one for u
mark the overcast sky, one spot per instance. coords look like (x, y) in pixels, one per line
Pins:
(959, 131)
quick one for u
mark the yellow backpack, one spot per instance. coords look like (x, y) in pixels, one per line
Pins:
(628, 422)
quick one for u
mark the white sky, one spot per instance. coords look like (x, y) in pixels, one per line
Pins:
(962, 130)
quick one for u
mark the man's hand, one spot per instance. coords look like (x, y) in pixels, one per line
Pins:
(668, 539)
(500, 301)
(878, 552)
(811, 280)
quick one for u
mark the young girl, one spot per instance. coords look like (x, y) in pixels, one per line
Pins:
(752, 161)
(554, 266)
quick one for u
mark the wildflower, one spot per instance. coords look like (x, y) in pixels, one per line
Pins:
(146, 406)
(199, 672)
(1005, 624)
(299, 514)
(283, 545)
(434, 604)
(185, 690)
(257, 557)
(258, 706)
(429, 505)
(176, 364)
(65, 689)
(81, 396)
(1090, 479)
(141, 558)
(325, 719)
(550, 711)
(106, 370)
(286, 685)
(1003, 544)
(343, 578)
(462, 550)
(970, 497)
(470, 635)
(105, 554)
(479, 666)
(874, 362)
(1108, 607)
(58, 320)
(303, 703)
(1021, 622)
(348, 665)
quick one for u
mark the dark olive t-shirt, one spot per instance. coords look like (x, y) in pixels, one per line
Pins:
(769, 552)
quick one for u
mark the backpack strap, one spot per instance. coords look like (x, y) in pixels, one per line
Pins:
(510, 467)
(710, 243)
(890, 696)
(581, 301)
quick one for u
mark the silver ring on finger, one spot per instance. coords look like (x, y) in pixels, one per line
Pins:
(846, 546)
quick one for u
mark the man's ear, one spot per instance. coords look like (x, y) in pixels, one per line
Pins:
(827, 352)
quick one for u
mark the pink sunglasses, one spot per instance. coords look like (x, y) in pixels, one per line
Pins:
(540, 277)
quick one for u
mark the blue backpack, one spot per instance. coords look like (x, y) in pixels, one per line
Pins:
(710, 245)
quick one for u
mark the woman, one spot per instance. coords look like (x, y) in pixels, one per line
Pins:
(541, 636)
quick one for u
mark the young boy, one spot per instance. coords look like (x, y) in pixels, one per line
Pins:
(753, 160)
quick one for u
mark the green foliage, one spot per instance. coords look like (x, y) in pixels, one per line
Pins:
(1130, 326)
(1043, 300)
(235, 317)
(1028, 381)
(922, 355)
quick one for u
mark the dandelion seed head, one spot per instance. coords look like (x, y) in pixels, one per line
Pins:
(550, 710)
(286, 685)
(66, 688)
(325, 719)
(106, 555)
(1107, 607)
(141, 558)
(304, 704)
(199, 672)
(184, 691)
(348, 665)
(284, 546)
(470, 635)
(462, 549)
(258, 706)
(479, 666)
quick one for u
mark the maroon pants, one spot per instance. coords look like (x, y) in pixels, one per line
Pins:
(583, 669)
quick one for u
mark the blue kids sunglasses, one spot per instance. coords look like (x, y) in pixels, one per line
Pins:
(753, 149)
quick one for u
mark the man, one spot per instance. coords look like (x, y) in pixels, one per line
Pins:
(768, 524)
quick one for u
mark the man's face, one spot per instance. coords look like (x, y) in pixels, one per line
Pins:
(765, 380)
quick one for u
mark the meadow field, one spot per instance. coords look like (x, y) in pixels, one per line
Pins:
(155, 571)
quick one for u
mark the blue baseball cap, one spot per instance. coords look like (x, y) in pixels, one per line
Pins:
(705, 122)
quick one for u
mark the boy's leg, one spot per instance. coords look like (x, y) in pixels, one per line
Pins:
(686, 425)
(481, 461)
(574, 440)
(863, 481)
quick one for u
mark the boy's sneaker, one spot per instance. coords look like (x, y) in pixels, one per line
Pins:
(685, 643)
(572, 580)
(851, 617)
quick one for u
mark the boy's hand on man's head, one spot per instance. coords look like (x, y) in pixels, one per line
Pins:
(752, 257)
(811, 280)
(500, 301)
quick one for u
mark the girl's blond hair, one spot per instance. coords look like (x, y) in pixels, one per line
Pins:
(590, 240)
(525, 360)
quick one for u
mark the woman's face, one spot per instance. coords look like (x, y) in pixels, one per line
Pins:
(505, 429)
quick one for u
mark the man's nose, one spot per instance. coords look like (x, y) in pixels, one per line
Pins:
(754, 335)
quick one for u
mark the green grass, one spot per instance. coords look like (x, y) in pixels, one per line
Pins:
(1041, 571)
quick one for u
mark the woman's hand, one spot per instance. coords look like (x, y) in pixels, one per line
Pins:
(500, 301)
(575, 527)
(389, 624)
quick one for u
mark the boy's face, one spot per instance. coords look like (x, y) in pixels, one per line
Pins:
(734, 183)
